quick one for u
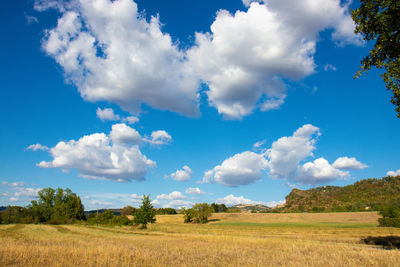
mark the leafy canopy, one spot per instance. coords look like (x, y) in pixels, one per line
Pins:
(379, 20)
(146, 213)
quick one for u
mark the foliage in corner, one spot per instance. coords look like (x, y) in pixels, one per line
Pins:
(379, 20)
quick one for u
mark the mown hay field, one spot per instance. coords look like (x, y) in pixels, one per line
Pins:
(326, 239)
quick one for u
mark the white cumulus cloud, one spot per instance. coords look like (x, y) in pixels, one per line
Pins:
(393, 173)
(123, 134)
(248, 54)
(101, 156)
(241, 169)
(231, 200)
(285, 159)
(107, 114)
(172, 196)
(287, 152)
(159, 137)
(112, 53)
(182, 175)
(318, 172)
(347, 163)
(194, 191)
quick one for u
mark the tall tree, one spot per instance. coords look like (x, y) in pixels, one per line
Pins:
(146, 213)
(379, 21)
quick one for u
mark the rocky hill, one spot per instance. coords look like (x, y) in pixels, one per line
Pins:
(364, 195)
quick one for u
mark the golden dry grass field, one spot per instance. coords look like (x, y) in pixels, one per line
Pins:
(327, 239)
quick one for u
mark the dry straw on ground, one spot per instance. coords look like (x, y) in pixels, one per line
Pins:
(328, 239)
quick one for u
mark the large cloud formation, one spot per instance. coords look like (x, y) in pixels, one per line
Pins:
(286, 159)
(241, 169)
(114, 157)
(112, 53)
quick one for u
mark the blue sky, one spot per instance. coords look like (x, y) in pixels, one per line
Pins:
(189, 101)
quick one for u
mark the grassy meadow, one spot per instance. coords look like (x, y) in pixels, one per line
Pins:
(229, 239)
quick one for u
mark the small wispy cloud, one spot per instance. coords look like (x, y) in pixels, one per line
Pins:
(329, 67)
(31, 19)
(36, 147)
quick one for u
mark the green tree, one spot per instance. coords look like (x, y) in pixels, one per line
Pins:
(146, 213)
(390, 216)
(203, 211)
(188, 215)
(378, 20)
(219, 207)
(46, 203)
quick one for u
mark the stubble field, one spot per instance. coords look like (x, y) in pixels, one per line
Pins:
(326, 239)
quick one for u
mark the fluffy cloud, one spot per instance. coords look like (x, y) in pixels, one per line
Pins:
(194, 191)
(286, 159)
(248, 54)
(318, 172)
(13, 199)
(241, 169)
(287, 152)
(112, 53)
(182, 175)
(393, 173)
(107, 114)
(160, 137)
(172, 196)
(231, 200)
(123, 134)
(347, 163)
(36, 147)
(101, 156)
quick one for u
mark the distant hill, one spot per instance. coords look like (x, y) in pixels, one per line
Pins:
(251, 208)
(369, 194)
(3, 208)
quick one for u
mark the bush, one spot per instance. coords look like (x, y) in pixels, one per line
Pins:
(188, 215)
(198, 214)
(219, 207)
(163, 211)
(120, 221)
(390, 216)
(389, 222)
